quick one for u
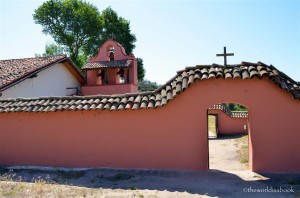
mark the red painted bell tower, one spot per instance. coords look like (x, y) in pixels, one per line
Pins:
(112, 71)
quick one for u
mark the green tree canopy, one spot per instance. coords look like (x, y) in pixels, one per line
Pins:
(119, 28)
(140, 68)
(235, 107)
(51, 50)
(73, 24)
(147, 85)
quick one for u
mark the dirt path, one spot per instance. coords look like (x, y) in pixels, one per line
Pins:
(223, 154)
(223, 157)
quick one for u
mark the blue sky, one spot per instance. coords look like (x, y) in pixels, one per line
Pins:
(174, 34)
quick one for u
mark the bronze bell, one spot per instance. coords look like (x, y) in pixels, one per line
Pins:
(101, 74)
(111, 56)
(121, 73)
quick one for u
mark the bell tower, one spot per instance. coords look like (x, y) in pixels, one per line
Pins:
(112, 71)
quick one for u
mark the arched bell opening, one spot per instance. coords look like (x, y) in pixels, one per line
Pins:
(102, 77)
(121, 76)
(111, 52)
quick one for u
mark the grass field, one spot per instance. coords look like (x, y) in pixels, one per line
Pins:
(43, 189)
(39, 183)
(212, 129)
(244, 149)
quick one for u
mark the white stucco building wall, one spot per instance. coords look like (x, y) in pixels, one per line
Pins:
(52, 81)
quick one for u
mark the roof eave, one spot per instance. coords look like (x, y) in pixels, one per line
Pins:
(30, 74)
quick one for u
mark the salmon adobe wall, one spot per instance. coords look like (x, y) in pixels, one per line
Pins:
(169, 137)
(128, 139)
(103, 52)
(228, 125)
(108, 89)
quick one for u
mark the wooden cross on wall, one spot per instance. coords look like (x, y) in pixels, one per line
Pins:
(225, 56)
(112, 35)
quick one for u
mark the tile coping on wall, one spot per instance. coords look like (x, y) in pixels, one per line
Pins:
(161, 96)
(227, 111)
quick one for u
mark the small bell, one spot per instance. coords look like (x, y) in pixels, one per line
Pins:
(121, 73)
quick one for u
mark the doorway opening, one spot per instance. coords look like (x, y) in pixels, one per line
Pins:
(227, 132)
(212, 125)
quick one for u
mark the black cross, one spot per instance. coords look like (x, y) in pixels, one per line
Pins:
(225, 56)
(112, 35)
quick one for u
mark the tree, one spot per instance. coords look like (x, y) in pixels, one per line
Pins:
(140, 68)
(235, 107)
(51, 50)
(73, 24)
(116, 27)
(147, 85)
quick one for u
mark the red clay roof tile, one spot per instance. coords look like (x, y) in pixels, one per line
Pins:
(107, 64)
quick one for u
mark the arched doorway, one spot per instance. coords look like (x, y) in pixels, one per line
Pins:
(228, 140)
